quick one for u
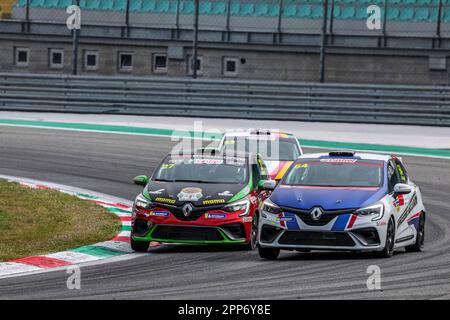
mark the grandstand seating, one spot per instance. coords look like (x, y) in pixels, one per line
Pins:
(5, 8)
(398, 10)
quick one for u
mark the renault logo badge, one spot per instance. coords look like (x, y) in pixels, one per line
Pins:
(316, 213)
(187, 209)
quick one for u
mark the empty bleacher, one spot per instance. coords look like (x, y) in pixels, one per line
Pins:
(398, 10)
(6, 8)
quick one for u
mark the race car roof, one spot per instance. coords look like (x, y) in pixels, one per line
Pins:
(363, 156)
(217, 154)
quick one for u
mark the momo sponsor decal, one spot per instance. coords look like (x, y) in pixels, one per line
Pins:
(214, 201)
(165, 200)
(190, 194)
(215, 215)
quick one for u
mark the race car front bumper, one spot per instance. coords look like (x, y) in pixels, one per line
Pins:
(287, 231)
(210, 228)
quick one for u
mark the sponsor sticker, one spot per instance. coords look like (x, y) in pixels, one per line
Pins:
(159, 191)
(190, 194)
(330, 160)
(215, 215)
(225, 194)
(399, 201)
(287, 219)
(214, 201)
(159, 213)
(247, 219)
(165, 200)
(208, 161)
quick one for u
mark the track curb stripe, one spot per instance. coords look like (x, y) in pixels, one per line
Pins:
(117, 246)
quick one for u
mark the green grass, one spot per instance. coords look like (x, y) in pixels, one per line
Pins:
(35, 221)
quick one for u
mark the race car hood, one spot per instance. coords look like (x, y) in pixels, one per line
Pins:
(277, 168)
(199, 194)
(329, 198)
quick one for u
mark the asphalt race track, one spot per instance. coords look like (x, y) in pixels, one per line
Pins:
(108, 163)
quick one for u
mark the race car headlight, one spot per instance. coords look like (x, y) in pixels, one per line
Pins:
(142, 203)
(241, 205)
(375, 211)
(270, 207)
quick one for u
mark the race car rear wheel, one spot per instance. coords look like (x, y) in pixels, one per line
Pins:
(268, 253)
(388, 250)
(418, 245)
(254, 233)
(139, 246)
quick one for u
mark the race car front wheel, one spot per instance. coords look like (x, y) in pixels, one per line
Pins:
(254, 233)
(418, 245)
(139, 246)
(268, 253)
(388, 250)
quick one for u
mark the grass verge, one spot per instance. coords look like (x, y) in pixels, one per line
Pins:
(35, 221)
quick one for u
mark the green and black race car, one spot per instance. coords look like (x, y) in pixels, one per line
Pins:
(201, 199)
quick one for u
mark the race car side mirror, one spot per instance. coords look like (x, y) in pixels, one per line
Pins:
(402, 188)
(141, 180)
(267, 184)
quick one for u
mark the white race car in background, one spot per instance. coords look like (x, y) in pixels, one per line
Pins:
(343, 201)
(278, 149)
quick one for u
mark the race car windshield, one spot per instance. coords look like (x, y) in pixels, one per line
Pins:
(203, 170)
(269, 149)
(336, 173)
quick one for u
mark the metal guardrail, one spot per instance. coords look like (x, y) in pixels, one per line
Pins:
(298, 101)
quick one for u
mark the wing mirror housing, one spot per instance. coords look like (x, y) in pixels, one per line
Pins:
(267, 184)
(141, 180)
(402, 188)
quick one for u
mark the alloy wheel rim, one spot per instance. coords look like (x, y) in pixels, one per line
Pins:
(254, 231)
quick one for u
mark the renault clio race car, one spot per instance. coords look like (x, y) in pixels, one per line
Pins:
(343, 201)
(278, 149)
(200, 199)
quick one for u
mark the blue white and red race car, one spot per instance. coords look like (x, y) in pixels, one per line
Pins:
(343, 201)
(277, 149)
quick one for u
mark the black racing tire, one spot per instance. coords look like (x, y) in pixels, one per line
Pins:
(268, 253)
(253, 243)
(139, 246)
(420, 239)
(388, 250)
